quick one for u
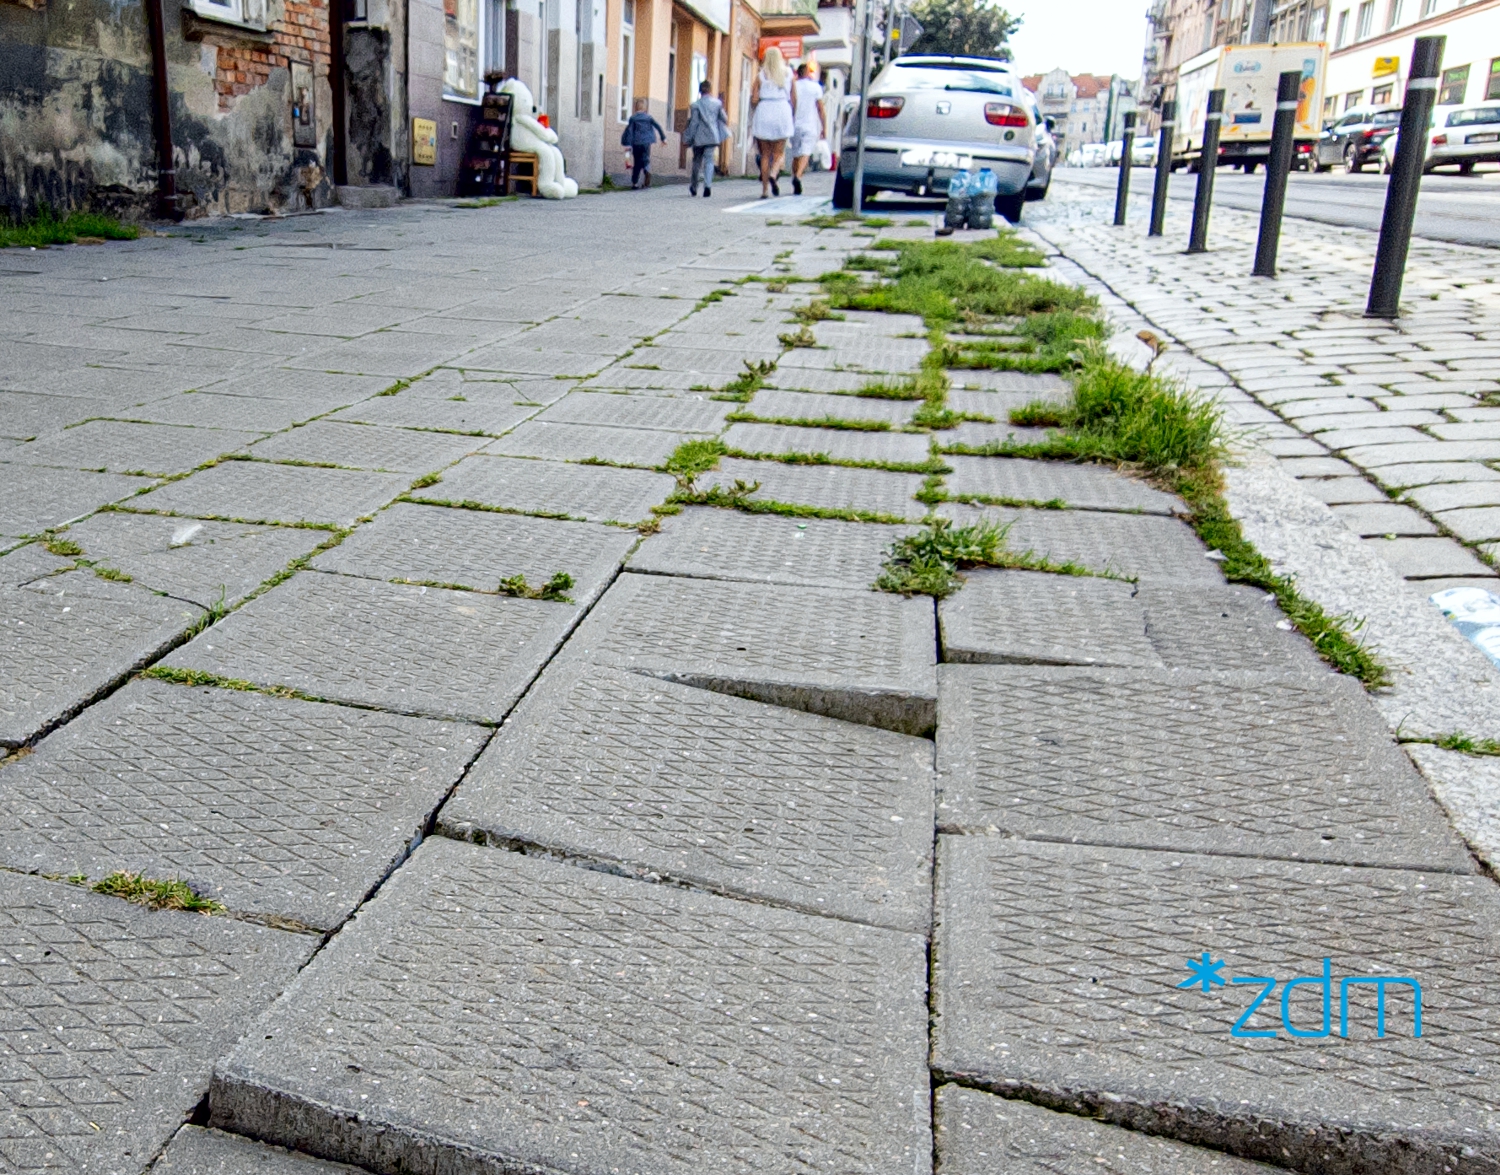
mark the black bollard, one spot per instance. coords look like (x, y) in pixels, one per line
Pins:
(1208, 163)
(1122, 189)
(1278, 167)
(1163, 168)
(1406, 179)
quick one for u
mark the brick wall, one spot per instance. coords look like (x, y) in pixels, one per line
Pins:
(301, 34)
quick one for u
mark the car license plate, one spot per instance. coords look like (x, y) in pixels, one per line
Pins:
(922, 157)
(1482, 138)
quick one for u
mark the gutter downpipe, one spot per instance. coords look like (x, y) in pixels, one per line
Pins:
(168, 207)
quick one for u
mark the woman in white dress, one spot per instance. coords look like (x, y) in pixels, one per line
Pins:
(774, 120)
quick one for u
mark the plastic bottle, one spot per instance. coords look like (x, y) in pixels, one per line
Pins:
(957, 213)
(983, 187)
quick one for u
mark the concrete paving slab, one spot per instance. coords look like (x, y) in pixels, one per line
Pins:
(882, 356)
(392, 354)
(642, 448)
(977, 1133)
(494, 1012)
(1228, 626)
(411, 650)
(491, 417)
(1033, 618)
(151, 450)
(260, 491)
(366, 446)
(1245, 764)
(667, 782)
(275, 807)
(196, 1151)
(802, 379)
(207, 410)
(315, 392)
(511, 356)
(114, 1018)
(1427, 558)
(1383, 518)
(1472, 525)
(585, 492)
(30, 562)
(864, 657)
(708, 543)
(697, 414)
(34, 499)
(476, 549)
(1012, 480)
(69, 638)
(1058, 976)
(1033, 386)
(24, 415)
(871, 448)
(1456, 496)
(621, 376)
(828, 487)
(791, 405)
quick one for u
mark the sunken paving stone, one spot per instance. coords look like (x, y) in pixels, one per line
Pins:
(34, 498)
(208, 410)
(655, 412)
(826, 487)
(366, 446)
(259, 491)
(641, 447)
(412, 650)
(666, 781)
(1292, 766)
(197, 1151)
(468, 417)
(587, 492)
(1031, 617)
(1035, 386)
(861, 656)
(1091, 487)
(476, 549)
(806, 380)
(885, 356)
(711, 543)
(1231, 626)
(66, 639)
(212, 564)
(491, 1012)
(871, 448)
(114, 1017)
(121, 447)
(978, 1133)
(1059, 976)
(272, 806)
(771, 402)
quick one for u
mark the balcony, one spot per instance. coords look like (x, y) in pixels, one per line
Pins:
(789, 18)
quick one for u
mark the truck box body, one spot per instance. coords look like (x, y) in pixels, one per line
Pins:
(1248, 76)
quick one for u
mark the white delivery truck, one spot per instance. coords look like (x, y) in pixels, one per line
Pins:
(1248, 75)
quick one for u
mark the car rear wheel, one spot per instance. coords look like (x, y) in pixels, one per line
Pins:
(1010, 206)
(1352, 163)
(843, 192)
(1466, 167)
(1039, 193)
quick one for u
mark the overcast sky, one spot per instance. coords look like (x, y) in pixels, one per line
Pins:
(1082, 36)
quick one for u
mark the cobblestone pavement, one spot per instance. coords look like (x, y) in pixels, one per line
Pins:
(559, 834)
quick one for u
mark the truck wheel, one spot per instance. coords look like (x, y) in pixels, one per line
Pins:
(1010, 206)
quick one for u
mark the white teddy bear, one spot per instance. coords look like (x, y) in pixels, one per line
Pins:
(526, 134)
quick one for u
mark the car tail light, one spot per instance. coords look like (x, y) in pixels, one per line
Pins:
(885, 107)
(1367, 135)
(1439, 140)
(1004, 114)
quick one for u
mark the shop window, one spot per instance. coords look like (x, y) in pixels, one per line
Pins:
(1492, 87)
(1455, 86)
(461, 49)
(627, 58)
(1365, 22)
(494, 35)
(1380, 95)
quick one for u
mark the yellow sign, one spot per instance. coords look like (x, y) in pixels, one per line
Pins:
(1385, 66)
(424, 142)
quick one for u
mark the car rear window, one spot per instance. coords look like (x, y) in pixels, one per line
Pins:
(1386, 118)
(955, 79)
(1480, 114)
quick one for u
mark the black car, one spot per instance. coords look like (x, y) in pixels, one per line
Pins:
(1356, 137)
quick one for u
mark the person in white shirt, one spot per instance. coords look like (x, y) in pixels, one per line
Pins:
(808, 131)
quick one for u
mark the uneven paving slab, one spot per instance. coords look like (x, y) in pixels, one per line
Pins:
(34, 498)
(1057, 972)
(1089, 487)
(259, 491)
(491, 1012)
(618, 377)
(466, 416)
(476, 549)
(977, 1133)
(30, 562)
(1291, 766)
(197, 1151)
(67, 639)
(706, 363)
(412, 650)
(1232, 626)
(209, 563)
(709, 543)
(316, 392)
(773, 402)
(828, 487)
(273, 806)
(367, 446)
(1032, 385)
(24, 415)
(1031, 617)
(670, 414)
(210, 410)
(837, 444)
(590, 493)
(862, 656)
(114, 1017)
(876, 355)
(666, 781)
(510, 356)
(644, 448)
(802, 379)
(151, 449)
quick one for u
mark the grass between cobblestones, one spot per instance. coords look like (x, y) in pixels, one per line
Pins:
(1457, 741)
(931, 562)
(47, 228)
(170, 894)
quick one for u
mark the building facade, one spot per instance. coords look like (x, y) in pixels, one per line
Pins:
(1084, 108)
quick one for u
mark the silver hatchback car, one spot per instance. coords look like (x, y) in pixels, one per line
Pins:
(929, 117)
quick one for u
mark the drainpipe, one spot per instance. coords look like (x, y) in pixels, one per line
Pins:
(161, 116)
(340, 160)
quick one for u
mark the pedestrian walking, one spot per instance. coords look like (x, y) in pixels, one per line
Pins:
(773, 123)
(808, 116)
(641, 132)
(707, 127)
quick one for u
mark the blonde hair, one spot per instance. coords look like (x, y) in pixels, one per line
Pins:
(775, 67)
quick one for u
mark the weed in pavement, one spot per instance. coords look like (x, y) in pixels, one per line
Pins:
(817, 310)
(62, 548)
(931, 562)
(556, 588)
(691, 458)
(48, 228)
(837, 422)
(157, 895)
(748, 382)
(801, 337)
(1055, 340)
(833, 220)
(1459, 741)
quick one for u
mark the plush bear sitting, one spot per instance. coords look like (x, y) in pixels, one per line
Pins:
(526, 134)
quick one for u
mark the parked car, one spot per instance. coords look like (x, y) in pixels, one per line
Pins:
(1045, 158)
(1355, 137)
(1469, 135)
(1143, 152)
(929, 117)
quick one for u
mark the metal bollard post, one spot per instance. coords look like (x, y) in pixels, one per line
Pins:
(1278, 167)
(1406, 179)
(1122, 189)
(1163, 168)
(1208, 163)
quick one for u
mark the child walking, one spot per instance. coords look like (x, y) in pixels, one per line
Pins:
(707, 127)
(641, 132)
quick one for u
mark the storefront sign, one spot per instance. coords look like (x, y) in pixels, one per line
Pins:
(424, 142)
(1385, 66)
(791, 47)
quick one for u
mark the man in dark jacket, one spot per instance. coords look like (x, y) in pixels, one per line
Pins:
(640, 133)
(707, 127)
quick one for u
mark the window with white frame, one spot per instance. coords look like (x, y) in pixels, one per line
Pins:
(1393, 15)
(627, 58)
(1342, 38)
(1365, 24)
(250, 14)
(461, 31)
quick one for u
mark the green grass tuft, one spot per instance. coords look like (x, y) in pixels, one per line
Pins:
(748, 382)
(47, 228)
(931, 562)
(170, 894)
(1459, 741)
(62, 548)
(691, 458)
(832, 220)
(801, 337)
(834, 422)
(556, 588)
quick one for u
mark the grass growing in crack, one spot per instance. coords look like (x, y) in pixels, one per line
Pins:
(1458, 741)
(833, 219)
(62, 548)
(427, 479)
(738, 497)
(48, 228)
(691, 458)
(1056, 340)
(931, 562)
(801, 337)
(931, 465)
(556, 588)
(817, 310)
(835, 422)
(170, 894)
(748, 382)
(113, 574)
